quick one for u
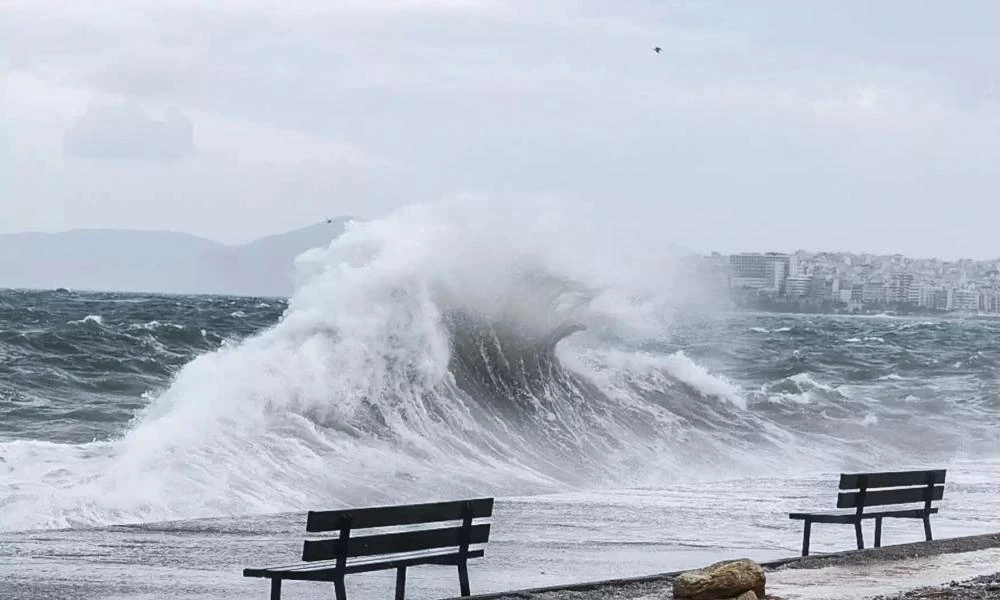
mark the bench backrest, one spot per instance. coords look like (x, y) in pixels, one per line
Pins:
(898, 487)
(416, 537)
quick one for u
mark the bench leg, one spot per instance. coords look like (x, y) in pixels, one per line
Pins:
(400, 583)
(878, 532)
(927, 528)
(338, 587)
(463, 578)
(275, 588)
(805, 537)
(859, 534)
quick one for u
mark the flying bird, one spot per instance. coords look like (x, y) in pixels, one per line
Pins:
(657, 49)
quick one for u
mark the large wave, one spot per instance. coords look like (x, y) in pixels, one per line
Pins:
(448, 349)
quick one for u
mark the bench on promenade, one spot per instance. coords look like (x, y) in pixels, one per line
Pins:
(423, 542)
(890, 490)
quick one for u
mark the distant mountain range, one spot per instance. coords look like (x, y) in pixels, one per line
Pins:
(157, 261)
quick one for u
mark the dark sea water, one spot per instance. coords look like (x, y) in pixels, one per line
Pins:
(107, 417)
(75, 367)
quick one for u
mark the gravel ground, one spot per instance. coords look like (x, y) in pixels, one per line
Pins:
(661, 590)
(986, 587)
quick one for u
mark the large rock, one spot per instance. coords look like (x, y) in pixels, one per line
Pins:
(726, 579)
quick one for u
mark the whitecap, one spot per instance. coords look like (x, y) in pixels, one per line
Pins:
(702, 381)
(96, 319)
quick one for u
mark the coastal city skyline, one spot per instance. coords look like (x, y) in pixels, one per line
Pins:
(855, 282)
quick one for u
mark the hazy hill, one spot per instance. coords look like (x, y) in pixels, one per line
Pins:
(157, 261)
(265, 267)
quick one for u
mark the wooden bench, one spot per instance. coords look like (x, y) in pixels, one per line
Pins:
(329, 560)
(864, 490)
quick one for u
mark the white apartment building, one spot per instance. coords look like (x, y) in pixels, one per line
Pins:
(963, 300)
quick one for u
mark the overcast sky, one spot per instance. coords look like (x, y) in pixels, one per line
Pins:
(868, 126)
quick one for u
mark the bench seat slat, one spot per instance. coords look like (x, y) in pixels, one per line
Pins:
(891, 496)
(368, 560)
(852, 481)
(326, 571)
(392, 516)
(386, 543)
(852, 516)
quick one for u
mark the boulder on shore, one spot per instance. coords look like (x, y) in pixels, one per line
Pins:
(727, 579)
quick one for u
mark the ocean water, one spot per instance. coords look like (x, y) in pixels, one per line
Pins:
(625, 429)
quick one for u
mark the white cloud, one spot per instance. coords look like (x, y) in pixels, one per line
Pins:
(263, 144)
(128, 131)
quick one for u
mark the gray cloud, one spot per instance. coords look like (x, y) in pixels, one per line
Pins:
(826, 125)
(128, 131)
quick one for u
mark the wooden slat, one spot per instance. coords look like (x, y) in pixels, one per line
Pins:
(883, 497)
(852, 516)
(386, 543)
(852, 481)
(388, 516)
(327, 573)
(824, 517)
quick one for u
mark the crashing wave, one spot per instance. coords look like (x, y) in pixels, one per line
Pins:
(448, 349)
